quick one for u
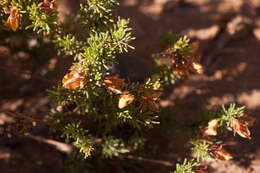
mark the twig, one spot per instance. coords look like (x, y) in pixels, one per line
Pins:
(19, 115)
(63, 147)
(66, 148)
(161, 162)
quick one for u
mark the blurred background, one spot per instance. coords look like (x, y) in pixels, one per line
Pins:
(228, 32)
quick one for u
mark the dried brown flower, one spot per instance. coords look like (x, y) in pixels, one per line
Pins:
(181, 66)
(14, 19)
(149, 101)
(125, 100)
(74, 80)
(114, 84)
(197, 67)
(6, 10)
(241, 127)
(219, 153)
(211, 129)
(250, 120)
(201, 169)
(48, 6)
(181, 72)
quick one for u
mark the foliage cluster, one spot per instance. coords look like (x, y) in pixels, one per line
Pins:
(206, 145)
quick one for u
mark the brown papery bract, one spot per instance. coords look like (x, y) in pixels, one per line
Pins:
(125, 100)
(201, 169)
(211, 129)
(14, 19)
(197, 67)
(241, 127)
(149, 100)
(249, 119)
(48, 6)
(219, 153)
(114, 83)
(181, 66)
(74, 80)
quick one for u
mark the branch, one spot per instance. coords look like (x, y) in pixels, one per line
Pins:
(26, 117)
(63, 147)
(161, 162)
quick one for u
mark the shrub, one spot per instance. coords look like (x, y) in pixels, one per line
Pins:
(100, 113)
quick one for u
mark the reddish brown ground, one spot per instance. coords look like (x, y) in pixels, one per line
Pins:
(232, 76)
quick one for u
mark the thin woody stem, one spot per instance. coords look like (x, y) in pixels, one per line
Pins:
(26, 117)
(63, 147)
(161, 162)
